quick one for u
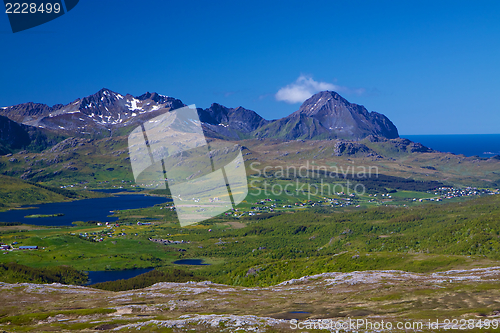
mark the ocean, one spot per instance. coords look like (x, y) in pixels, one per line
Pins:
(483, 145)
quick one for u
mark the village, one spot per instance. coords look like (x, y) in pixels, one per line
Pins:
(269, 205)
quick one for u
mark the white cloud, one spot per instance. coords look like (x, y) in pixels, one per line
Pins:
(305, 86)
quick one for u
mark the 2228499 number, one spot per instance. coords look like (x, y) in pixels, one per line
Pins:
(32, 8)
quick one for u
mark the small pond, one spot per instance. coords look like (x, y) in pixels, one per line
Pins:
(196, 262)
(105, 276)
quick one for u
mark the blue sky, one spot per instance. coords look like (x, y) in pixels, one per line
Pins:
(432, 67)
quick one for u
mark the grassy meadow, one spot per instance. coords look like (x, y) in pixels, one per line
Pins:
(273, 247)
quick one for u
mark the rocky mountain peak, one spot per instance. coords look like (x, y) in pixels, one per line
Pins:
(331, 104)
(322, 101)
(327, 115)
(25, 111)
(155, 97)
(103, 98)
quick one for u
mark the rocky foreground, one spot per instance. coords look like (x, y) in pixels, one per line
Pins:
(394, 296)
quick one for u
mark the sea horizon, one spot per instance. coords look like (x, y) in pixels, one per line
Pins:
(482, 145)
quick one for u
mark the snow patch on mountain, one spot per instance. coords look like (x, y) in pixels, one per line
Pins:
(133, 105)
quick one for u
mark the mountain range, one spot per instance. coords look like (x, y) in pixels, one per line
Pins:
(87, 140)
(325, 115)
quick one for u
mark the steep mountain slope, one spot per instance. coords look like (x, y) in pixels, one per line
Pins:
(26, 112)
(16, 192)
(14, 136)
(327, 115)
(232, 123)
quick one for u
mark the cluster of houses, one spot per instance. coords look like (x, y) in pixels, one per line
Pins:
(330, 202)
(452, 192)
(84, 184)
(269, 205)
(109, 232)
(445, 192)
(93, 236)
(6, 247)
(387, 195)
(101, 235)
(167, 241)
(215, 199)
(108, 224)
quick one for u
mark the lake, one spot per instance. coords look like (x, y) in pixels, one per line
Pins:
(196, 262)
(96, 209)
(105, 276)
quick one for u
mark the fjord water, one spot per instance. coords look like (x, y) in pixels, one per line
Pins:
(482, 145)
(81, 210)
